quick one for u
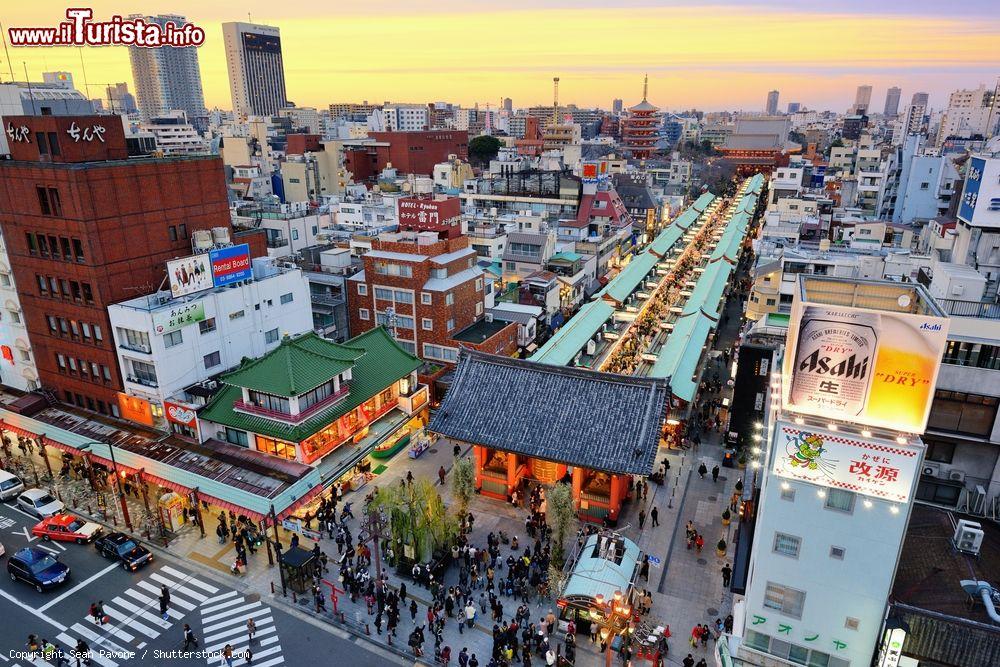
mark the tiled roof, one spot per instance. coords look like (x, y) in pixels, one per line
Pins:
(296, 366)
(597, 420)
(382, 363)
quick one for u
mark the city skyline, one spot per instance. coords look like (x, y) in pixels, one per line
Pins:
(691, 62)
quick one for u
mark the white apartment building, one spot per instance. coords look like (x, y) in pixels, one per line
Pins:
(290, 228)
(167, 346)
(969, 113)
(17, 361)
(406, 117)
(369, 213)
(174, 135)
(304, 118)
(256, 69)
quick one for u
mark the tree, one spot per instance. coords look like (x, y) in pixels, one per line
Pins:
(482, 149)
(419, 522)
(463, 484)
(561, 515)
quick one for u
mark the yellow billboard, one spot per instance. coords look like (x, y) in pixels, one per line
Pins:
(867, 352)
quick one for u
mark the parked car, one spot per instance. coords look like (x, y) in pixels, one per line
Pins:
(10, 485)
(37, 568)
(2, 550)
(39, 502)
(67, 528)
(124, 549)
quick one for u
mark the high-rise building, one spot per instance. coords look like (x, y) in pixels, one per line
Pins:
(969, 114)
(862, 100)
(508, 105)
(168, 78)
(772, 103)
(119, 100)
(794, 107)
(920, 99)
(256, 69)
(617, 105)
(892, 102)
(84, 228)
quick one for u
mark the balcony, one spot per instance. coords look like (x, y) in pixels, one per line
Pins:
(985, 310)
(145, 382)
(250, 408)
(135, 347)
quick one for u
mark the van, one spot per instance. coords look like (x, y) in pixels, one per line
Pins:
(10, 485)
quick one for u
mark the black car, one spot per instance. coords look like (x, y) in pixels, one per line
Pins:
(38, 568)
(124, 549)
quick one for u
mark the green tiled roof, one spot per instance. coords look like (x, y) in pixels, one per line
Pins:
(566, 256)
(573, 336)
(629, 278)
(296, 366)
(380, 362)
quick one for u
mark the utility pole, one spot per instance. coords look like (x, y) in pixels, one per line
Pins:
(371, 531)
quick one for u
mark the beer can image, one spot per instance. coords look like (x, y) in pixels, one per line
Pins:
(834, 359)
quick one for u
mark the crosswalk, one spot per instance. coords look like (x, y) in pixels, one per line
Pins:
(224, 621)
(135, 619)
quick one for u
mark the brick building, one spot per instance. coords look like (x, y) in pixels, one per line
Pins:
(426, 292)
(407, 152)
(85, 227)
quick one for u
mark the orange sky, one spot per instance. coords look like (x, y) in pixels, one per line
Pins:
(710, 57)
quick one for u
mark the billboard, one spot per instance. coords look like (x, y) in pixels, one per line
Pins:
(231, 264)
(135, 409)
(872, 467)
(177, 317)
(435, 215)
(867, 366)
(189, 275)
(970, 196)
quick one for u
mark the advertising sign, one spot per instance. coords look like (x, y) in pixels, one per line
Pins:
(970, 196)
(873, 367)
(189, 275)
(436, 215)
(877, 468)
(231, 265)
(177, 317)
(589, 172)
(135, 409)
(180, 414)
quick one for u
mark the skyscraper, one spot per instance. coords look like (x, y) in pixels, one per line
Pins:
(772, 103)
(920, 99)
(862, 100)
(617, 105)
(168, 78)
(892, 102)
(256, 69)
(794, 107)
(508, 104)
(119, 99)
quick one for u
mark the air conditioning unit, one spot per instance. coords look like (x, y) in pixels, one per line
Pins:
(220, 435)
(931, 470)
(591, 347)
(956, 475)
(489, 317)
(968, 537)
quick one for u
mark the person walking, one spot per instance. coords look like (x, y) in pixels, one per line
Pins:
(164, 601)
(702, 470)
(227, 655)
(642, 518)
(715, 473)
(248, 656)
(654, 514)
(189, 638)
(251, 630)
(441, 474)
(727, 575)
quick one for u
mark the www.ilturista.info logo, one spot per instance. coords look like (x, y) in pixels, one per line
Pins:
(81, 30)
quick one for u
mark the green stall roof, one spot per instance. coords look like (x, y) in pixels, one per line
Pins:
(666, 239)
(714, 294)
(629, 278)
(679, 358)
(703, 202)
(593, 575)
(572, 336)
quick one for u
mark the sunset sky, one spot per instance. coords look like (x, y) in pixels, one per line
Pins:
(709, 56)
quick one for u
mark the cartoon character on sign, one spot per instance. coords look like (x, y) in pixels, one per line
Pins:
(805, 450)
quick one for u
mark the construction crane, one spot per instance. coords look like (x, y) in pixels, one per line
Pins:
(555, 100)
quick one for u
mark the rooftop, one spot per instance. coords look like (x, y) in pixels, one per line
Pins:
(480, 331)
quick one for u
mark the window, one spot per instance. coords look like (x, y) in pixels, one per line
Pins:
(317, 395)
(133, 340)
(426, 298)
(43, 200)
(383, 293)
(5, 279)
(212, 360)
(64, 245)
(451, 325)
(783, 599)
(363, 314)
(61, 361)
(942, 452)
(274, 447)
(55, 205)
(924, 185)
(43, 245)
(72, 364)
(78, 250)
(439, 273)
(960, 412)
(172, 233)
(74, 288)
(295, 235)
(270, 336)
(511, 266)
(440, 353)
(479, 309)
(239, 314)
(237, 437)
(840, 500)
(403, 297)
(479, 284)
(25, 355)
(54, 143)
(287, 298)
(43, 284)
(757, 640)
(979, 355)
(271, 402)
(143, 373)
(88, 295)
(837, 552)
(98, 334)
(207, 326)
(427, 324)
(408, 345)
(15, 316)
(389, 269)
(182, 229)
(787, 545)
(449, 299)
(173, 338)
(362, 289)
(53, 323)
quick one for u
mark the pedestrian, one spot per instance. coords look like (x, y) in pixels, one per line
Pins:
(251, 630)
(715, 473)
(727, 575)
(688, 661)
(164, 599)
(642, 518)
(413, 610)
(702, 470)
(699, 542)
(701, 663)
(456, 451)
(470, 613)
(695, 636)
(227, 655)
(402, 591)
(100, 612)
(248, 656)
(189, 638)
(95, 613)
(441, 474)
(654, 514)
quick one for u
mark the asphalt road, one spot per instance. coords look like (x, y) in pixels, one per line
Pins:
(136, 633)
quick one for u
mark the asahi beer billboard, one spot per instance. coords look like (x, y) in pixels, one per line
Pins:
(869, 466)
(872, 367)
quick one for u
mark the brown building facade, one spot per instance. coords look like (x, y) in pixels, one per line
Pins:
(83, 229)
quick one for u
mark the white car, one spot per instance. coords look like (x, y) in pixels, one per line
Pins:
(2, 550)
(10, 485)
(40, 503)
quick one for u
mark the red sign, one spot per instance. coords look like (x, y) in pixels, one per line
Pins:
(135, 409)
(8, 354)
(432, 215)
(590, 170)
(180, 414)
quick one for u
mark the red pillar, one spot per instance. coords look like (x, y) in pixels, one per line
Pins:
(480, 456)
(615, 497)
(577, 485)
(511, 472)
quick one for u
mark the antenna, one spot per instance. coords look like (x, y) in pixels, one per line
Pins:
(10, 65)
(555, 100)
(27, 80)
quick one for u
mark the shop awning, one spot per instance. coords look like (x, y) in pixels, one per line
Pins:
(595, 575)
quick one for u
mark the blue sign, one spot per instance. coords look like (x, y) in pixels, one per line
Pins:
(970, 196)
(653, 560)
(230, 265)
